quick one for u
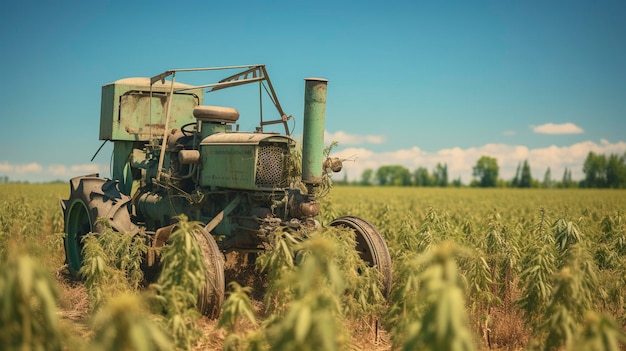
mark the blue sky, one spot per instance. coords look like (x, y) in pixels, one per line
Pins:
(410, 82)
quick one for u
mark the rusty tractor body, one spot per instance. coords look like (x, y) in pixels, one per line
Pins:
(175, 155)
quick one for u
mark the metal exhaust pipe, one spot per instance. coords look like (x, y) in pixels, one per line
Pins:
(313, 130)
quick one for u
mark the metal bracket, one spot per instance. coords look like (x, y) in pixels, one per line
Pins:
(220, 216)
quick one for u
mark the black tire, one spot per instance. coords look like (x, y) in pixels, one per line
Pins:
(371, 247)
(211, 297)
(92, 197)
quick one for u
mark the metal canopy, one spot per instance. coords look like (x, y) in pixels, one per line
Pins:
(248, 74)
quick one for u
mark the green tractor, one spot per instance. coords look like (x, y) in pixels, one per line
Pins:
(174, 155)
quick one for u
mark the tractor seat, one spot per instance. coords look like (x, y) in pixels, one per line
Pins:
(216, 114)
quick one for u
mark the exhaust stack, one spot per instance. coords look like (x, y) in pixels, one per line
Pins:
(313, 131)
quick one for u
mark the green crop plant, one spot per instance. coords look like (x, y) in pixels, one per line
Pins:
(312, 321)
(111, 262)
(538, 267)
(362, 297)
(600, 333)
(124, 324)
(178, 286)
(30, 219)
(564, 311)
(403, 237)
(443, 324)
(480, 291)
(435, 228)
(566, 234)
(277, 263)
(405, 307)
(236, 307)
(100, 277)
(28, 309)
(575, 290)
(611, 257)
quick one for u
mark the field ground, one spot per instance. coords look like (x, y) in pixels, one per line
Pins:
(413, 220)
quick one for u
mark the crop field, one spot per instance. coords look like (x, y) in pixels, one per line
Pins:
(473, 269)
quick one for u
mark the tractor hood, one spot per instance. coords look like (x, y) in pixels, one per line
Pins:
(247, 161)
(241, 138)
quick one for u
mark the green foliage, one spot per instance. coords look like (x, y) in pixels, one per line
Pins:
(123, 324)
(405, 307)
(361, 298)
(421, 177)
(314, 283)
(277, 263)
(366, 177)
(440, 173)
(443, 325)
(434, 229)
(179, 284)
(28, 308)
(100, 277)
(313, 319)
(603, 172)
(486, 170)
(111, 263)
(538, 267)
(413, 221)
(236, 307)
(566, 234)
(393, 175)
(600, 333)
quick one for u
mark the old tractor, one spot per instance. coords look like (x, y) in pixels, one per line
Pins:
(173, 155)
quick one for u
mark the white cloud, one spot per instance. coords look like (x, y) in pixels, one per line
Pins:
(344, 138)
(87, 169)
(57, 170)
(551, 128)
(461, 161)
(32, 167)
(35, 172)
(6, 167)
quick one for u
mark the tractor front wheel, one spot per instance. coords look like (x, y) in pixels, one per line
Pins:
(371, 247)
(211, 296)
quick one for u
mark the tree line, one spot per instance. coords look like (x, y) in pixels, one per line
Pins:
(600, 170)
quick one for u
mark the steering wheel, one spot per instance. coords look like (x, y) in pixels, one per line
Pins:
(187, 132)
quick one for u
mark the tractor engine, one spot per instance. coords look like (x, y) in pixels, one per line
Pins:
(250, 181)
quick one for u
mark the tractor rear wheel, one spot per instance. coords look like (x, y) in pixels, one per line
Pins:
(211, 296)
(371, 247)
(92, 197)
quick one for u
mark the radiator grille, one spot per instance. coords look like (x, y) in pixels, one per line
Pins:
(271, 168)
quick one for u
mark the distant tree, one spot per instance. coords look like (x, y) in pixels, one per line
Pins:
(515, 181)
(547, 179)
(486, 170)
(440, 175)
(526, 178)
(566, 182)
(393, 175)
(366, 177)
(616, 171)
(345, 179)
(421, 177)
(594, 168)
(568, 178)
(457, 183)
